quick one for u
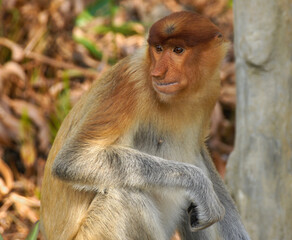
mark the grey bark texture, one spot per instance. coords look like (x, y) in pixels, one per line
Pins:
(259, 171)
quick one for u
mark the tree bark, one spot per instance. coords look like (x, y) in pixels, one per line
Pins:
(259, 171)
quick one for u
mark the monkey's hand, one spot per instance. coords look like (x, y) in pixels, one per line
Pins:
(205, 208)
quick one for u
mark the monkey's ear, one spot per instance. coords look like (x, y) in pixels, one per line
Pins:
(219, 35)
(220, 39)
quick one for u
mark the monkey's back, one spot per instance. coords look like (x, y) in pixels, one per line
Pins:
(62, 208)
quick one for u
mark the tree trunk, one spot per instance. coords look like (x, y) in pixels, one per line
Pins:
(259, 171)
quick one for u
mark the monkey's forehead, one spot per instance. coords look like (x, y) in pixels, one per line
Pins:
(191, 28)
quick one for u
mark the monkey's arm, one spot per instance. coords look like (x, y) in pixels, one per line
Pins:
(230, 226)
(92, 168)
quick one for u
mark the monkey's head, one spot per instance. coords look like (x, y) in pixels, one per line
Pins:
(185, 52)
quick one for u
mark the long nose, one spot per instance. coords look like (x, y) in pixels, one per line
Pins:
(160, 69)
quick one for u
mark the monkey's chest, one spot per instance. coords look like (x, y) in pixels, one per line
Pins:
(180, 148)
(170, 202)
(149, 141)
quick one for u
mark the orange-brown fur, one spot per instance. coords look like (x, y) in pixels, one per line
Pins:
(121, 101)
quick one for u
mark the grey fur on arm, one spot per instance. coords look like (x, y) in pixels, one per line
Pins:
(93, 167)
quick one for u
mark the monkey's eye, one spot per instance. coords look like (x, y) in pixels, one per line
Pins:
(178, 50)
(158, 48)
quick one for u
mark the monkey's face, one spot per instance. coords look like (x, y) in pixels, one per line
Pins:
(166, 68)
(185, 51)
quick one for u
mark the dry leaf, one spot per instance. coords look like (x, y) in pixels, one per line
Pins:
(11, 123)
(3, 188)
(23, 206)
(6, 172)
(228, 95)
(12, 68)
(17, 51)
(36, 115)
(28, 153)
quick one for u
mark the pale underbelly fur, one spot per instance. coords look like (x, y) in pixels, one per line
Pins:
(172, 203)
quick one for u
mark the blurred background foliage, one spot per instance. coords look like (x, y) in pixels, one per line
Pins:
(50, 53)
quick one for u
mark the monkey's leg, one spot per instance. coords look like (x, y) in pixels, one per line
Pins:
(122, 215)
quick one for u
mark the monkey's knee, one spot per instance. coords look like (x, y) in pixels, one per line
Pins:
(121, 214)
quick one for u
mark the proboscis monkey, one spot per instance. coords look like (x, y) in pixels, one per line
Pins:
(130, 161)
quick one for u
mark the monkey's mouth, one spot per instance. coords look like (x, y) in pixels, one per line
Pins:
(168, 88)
(166, 84)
